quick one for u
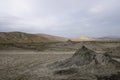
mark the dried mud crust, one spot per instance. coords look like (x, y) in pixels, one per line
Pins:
(85, 62)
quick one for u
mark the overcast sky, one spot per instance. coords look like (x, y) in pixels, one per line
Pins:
(70, 18)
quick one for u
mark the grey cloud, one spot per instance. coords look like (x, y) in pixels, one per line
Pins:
(62, 17)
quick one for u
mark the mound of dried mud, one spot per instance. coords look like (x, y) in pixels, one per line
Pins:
(85, 56)
(87, 62)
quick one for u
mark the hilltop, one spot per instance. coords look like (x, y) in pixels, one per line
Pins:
(20, 37)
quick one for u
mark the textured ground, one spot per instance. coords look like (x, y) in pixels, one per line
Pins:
(28, 61)
(29, 65)
(13, 64)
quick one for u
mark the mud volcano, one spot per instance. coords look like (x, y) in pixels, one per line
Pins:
(87, 64)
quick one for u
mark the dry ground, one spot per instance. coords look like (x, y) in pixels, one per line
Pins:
(18, 61)
(14, 63)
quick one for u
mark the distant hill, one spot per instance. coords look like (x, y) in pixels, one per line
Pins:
(20, 37)
(110, 38)
(86, 38)
(83, 38)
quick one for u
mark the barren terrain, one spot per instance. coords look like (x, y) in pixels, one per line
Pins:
(15, 64)
(30, 61)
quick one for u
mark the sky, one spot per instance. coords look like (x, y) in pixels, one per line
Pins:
(68, 18)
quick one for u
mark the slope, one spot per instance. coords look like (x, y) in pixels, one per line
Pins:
(20, 37)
